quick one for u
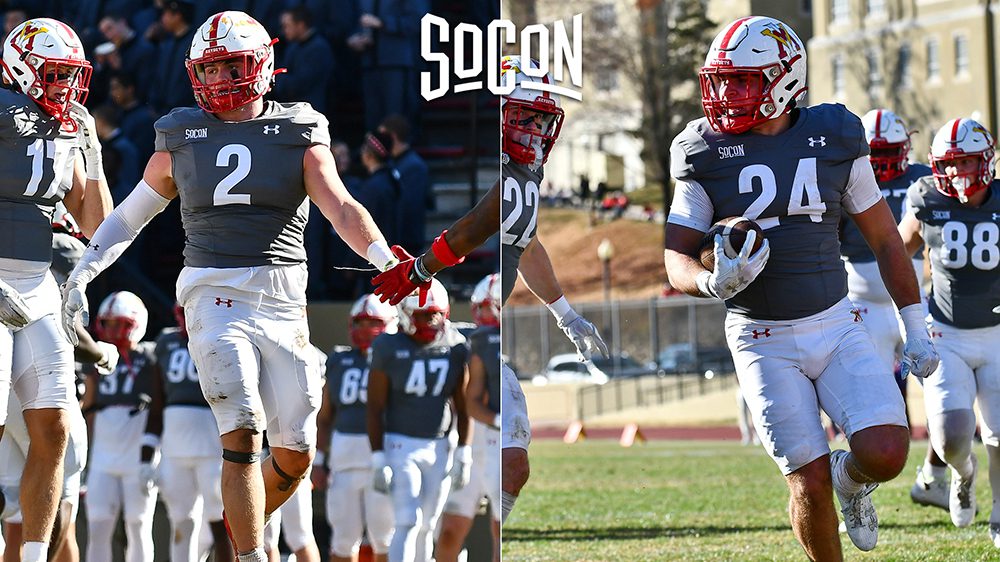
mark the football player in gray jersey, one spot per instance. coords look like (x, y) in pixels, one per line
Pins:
(955, 214)
(416, 379)
(352, 505)
(482, 398)
(791, 328)
(45, 128)
(242, 168)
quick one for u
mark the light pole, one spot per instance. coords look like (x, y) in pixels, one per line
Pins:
(606, 251)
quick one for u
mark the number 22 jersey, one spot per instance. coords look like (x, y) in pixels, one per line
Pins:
(519, 217)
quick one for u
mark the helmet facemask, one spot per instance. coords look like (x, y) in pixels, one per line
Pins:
(70, 76)
(364, 329)
(427, 324)
(116, 330)
(216, 92)
(962, 185)
(889, 160)
(735, 115)
(530, 130)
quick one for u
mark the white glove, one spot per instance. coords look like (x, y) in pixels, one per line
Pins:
(381, 473)
(86, 135)
(732, 275)
(147, 476)
(74, 305)
(919, 356)
(109, 361)
(13, 309)
(578, 329)
(461, 467)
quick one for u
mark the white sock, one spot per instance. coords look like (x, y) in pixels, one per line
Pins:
(255, 555)
(965, 468)
(34, 551)
(506, 505)
(934, 472)
(842, 480)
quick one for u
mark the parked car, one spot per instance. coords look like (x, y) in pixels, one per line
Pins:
(566, 367)
(678, 358)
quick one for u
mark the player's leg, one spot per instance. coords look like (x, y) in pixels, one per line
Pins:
(67, 549)
(177, 491)
(461, 505)
(516, 434)
(491, 486)
(272, 532)
(988, 393)
(104, 500)
(139, 504)
(435, 484)
(12, 538)
(296, 524)
(344, 511)
(208, 472)
(380, 519)
(403, 457)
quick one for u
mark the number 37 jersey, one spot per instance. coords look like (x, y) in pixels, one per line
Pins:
(519, 218)
(964, 246)
(243, 198)
(795, 185)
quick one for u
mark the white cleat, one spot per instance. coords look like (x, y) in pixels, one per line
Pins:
(932, 493)
(858, 510)
(995, 534)
(962, 499)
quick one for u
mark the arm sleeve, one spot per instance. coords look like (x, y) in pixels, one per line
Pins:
(691, 206)
(862, 189)
(118, 231)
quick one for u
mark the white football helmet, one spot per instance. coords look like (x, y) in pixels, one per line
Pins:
(41, 53)
(486, 301)
(231, 35)
(369, 307)
(889, 140)
(419, 330)
(765, 53)
(122, 319)
(528, 138)
(960, 138)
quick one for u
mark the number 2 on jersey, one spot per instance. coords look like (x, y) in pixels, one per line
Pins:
(225, 156)
(804, 200)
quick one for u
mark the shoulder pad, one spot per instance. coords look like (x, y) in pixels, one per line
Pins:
(178, 126)
(687, 149)
(309, 125)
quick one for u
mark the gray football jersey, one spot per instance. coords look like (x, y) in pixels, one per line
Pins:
(132, 378)
(964, 247)
(792, 185)
(485, 343)
(347, 381)
(519, 218)
(36, 171)
(852, 243)
(243, 199)
(421, 380)
(180, 376)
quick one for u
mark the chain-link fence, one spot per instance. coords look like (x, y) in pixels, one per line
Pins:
(658, 330)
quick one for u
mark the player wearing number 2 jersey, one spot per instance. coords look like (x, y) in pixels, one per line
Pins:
(243, 168)
(955, 214)
(796, 343)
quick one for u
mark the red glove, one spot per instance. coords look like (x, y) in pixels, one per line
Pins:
(399, 281)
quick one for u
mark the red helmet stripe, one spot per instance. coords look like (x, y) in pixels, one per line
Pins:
(214, 30)
(878, 124)
(954, 131)
(729, 34)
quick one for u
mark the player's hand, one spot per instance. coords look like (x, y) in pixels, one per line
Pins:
(399, 281)
(461, 467)
(319, 477)
(74, 307)
(583, 334)
(381, 473)
(13, 309)
(732, 275)
(919, 357)
(86, 135)
(109, 360)
(147, 476)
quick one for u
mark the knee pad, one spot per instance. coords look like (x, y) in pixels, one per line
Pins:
(240, 458)
(289, 480)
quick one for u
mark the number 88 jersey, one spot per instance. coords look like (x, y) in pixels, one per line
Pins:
(243, 198)
(964, 247)
(519, 218)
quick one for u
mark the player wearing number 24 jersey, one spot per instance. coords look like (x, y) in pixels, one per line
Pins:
(796, 343)
(243, 168)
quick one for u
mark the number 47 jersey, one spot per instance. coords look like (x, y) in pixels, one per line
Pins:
(243, 198)
(795, 185)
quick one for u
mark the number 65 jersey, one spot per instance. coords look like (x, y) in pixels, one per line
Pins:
(795, 185)
(243, 198)
(964, 245)
(519, 218)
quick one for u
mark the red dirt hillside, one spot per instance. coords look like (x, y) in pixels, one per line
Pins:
(636, 268)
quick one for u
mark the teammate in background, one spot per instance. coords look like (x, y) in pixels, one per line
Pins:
(954, 213)
(45, 128)
(482, 398)
(352, 505)
(245, 275)
(123, 459)
(413, 376)
(790, 324)
(189, 469)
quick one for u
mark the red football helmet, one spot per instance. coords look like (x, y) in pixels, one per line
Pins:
(486, 301)
(231, 36)
(369, 318)
(532, 118)
(425, 323)
(121, 319)
(961, 138)
(889, 141)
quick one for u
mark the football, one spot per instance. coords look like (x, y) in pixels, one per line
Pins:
(734, 232)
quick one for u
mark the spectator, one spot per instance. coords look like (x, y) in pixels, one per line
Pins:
(171, 87)
(133, 54)
(382, 188)
(136, 118)
(387, 37)
(121, 158)
(13, 18)
(584, 190)
(308, 60)
(267, 12)
(416, 197)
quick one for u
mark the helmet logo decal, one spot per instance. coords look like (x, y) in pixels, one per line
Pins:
(783, 38)
(29, 32)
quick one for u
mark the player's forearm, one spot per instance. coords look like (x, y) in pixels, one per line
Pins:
(87, 351)
(376, 430)
(95, 206)
(481, 413)
(535, 269)
(682, 272)
(463, 425)
(471, 231)
(896, 268)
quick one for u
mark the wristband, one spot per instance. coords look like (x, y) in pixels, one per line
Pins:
(496, 421)
(464, 454)
(560, 308)
(319, 459)
(380, 255)
(702, 282)
(443, 252)
(914, 322)
(150, 440)
(378, 459)
(420, 270)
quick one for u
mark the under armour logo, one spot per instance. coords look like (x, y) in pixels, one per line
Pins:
(268, 129)
(857, 314)
(765, 333)
(219, 301)
(820, 141)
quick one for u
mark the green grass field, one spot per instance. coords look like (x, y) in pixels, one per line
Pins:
(705, 500)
